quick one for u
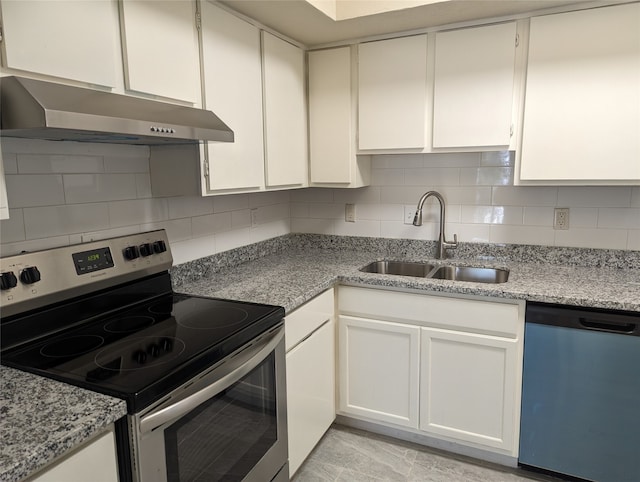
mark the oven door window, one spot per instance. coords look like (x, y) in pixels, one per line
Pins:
(225, 437)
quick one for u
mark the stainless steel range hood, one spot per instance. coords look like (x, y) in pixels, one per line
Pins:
(44, 110)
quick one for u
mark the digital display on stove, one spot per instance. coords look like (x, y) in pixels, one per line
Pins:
(94, 260)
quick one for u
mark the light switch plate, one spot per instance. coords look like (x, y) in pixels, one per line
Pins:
(350, 213)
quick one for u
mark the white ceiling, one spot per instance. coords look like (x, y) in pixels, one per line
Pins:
(300, 21)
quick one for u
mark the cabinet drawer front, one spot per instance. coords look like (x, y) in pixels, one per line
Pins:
(490, 317)
(305, 320)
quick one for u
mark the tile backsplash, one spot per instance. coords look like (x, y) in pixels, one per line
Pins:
(483, 205)
(66, 192)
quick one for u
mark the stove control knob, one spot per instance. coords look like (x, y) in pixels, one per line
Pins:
(131, 252)
(140, 356)
(166, 344)
(8, 280)
(30, 275)
(154, 350)
(159, 247)
(146, 249)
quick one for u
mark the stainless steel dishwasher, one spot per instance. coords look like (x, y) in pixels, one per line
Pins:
(581, 393)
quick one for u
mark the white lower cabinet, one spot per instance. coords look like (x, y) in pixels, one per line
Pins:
(95, 461)
(379, 370)
(310, 343)
(468, 387)
(441, 367)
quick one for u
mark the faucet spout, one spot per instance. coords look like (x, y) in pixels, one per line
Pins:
(417, 221)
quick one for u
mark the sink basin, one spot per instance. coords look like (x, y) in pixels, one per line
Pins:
(404, 268)
(426, 270)
(467, 273)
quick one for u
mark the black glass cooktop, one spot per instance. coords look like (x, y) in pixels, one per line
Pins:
(145, 351)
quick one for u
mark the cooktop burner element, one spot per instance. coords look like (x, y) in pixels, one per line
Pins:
(71, 346)
(128, 324)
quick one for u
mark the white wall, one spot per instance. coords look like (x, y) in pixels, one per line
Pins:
(482, 205)
(64, 193)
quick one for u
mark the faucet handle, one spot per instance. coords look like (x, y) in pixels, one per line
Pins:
(449, 244)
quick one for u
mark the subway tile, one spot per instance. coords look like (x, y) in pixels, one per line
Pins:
(486, 176)
(210, 224)
(625, 218)
(592, 238)
(34, 190)
(443, 176)
(108, 233)
(497, 158)
(389, 212)
(397, 161)
(177, 229)
(192, 249)
(397, 229)
(539, 235)
(49, 221)
(491, 215)
(595, 196)
(299, 210)
(357, 196)
(387, 177)
(9, 162)
(12, 229)
(469, 233)
(583, 217)
(401, 194)
(270, 230)
(232, 239)
(240, 219)
(524, 196)
(457, 159)
(59, 164)
(274, 212)
(363, 227)
(539, 216)
(633, 239)
(312, 195)
(126, 164)
(230, 202)
(87, 188)
(635, 197)
(184, 207)
(268, 198)
(315, 226)
(327, 211)
(139, 211)
(143, 186)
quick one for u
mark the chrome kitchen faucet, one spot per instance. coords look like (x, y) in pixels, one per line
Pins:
(417, 221)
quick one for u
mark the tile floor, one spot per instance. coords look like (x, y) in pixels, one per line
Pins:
(349, 455)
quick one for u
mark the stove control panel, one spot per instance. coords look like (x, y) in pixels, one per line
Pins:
(32, 280)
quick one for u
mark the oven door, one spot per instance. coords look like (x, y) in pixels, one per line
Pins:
(227, 424)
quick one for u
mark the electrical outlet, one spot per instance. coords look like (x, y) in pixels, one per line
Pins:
(409, 214)
(561, 218)
(254, 217)
(350, 213)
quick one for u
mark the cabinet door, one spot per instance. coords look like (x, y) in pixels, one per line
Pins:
(285, 113)
(473, 90)
(233, 90)
(468, 385)
(581, 111)
(378, 370)
(310, 392)
(392, 93)
(66, 39)
(160, 48)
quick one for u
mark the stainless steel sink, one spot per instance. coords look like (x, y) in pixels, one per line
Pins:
(468, 273)
(426, 270)
(404, 268)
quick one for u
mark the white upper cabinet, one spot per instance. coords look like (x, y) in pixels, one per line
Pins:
(160, 48)
(233, 90)
(582, 101)
(64, 39)
(285, 113)
(332, 126)
(473, 86)
(392, 94)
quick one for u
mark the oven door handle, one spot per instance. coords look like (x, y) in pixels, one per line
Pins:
(249, 359)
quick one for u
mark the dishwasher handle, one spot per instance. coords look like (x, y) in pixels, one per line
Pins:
(608, 326)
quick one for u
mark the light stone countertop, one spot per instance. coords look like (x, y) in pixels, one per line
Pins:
(42, 419)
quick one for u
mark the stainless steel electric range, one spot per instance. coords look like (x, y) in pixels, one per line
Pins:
(203, 378)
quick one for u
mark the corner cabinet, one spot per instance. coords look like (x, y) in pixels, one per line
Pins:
(285, 114)
(392, 94)
(332, 121)
(310, 344)
(473, 87)
(447, 368)
(75, 41)
(581, 109)
(160, 48)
